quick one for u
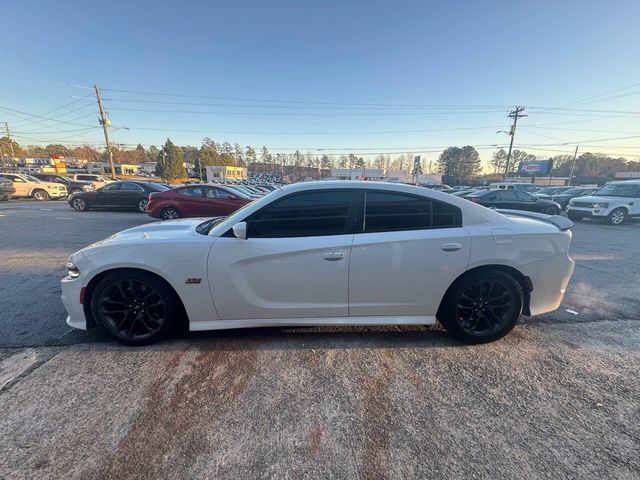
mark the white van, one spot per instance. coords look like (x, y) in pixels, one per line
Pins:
(615, 203)
(525, 187)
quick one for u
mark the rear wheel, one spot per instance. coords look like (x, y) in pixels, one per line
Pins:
(617, 217)
(136, 308)
(551, 210)
(170, 213)
(40, 195)
(482, 306)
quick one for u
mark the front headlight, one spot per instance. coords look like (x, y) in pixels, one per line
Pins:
(72, 270)
(600, 205)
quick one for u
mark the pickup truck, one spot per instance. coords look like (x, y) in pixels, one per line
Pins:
(73, 186)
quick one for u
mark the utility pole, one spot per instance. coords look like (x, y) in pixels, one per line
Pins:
(517, 113)
(104, 121)
(13, 156)
(573, 165)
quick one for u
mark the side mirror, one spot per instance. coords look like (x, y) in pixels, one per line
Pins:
(240, 230)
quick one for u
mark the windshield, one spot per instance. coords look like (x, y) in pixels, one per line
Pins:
(158, 187)
(619, 191)
(573, 191)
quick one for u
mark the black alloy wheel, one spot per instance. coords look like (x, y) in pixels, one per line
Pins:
(170, 213)
(483, 306)
(135, 308)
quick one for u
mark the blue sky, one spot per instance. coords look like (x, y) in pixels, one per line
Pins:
(329, 66)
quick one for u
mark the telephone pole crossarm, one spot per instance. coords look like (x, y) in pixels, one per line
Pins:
(515, 114)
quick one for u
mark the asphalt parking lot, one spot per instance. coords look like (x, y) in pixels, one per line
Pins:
(557, 398)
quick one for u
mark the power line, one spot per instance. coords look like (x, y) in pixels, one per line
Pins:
(298, 114)
(589, 99)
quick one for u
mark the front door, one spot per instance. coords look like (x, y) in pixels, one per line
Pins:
(293, 264)
(411, 251)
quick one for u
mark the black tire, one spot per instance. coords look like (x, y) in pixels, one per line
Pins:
(142, 205)
(551, 210)
(170, 213)
(120, 304)
(575, 217)
(4, 198)
(40, 195)
(617, 217)
(482, 306)
(79, 204)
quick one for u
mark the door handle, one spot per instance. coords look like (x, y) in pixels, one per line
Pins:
(333, 256)
(451, 247)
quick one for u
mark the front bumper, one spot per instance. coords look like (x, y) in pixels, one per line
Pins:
(589, 212)
(72, 289)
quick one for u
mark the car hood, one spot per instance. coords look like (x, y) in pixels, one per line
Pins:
(593, 198)
(154, 231)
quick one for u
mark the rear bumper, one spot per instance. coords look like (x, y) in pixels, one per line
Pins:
(550, 278)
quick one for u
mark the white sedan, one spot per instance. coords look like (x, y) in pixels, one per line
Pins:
(325, 253)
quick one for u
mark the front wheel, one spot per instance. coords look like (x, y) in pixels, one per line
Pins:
(617, 216)
(136, 308)
(482, 307)
(79, 204)
(40, 195)
(142, 205)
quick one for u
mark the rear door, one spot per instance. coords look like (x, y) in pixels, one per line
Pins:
(130, 195)
(192, 202)
(293, 264)
(21, 185)
(410, 251)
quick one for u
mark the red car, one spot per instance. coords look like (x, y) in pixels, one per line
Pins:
(195, 201)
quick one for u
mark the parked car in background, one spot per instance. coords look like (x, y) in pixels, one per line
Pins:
(73, 186)
(524, 187)
(563, 198)
(325, 253)
(116, 195)
(513, 200)
(96, 180)
(196, 201)
(615, 202)
(27, 186)
(548, 192)
(246, 191)
(6, 189)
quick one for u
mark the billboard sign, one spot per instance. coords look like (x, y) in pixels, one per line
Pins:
(535, 167)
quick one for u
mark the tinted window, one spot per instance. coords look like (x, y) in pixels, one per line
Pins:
(507, 195)
(524, 197)
(631, 191)
(112, 186)
(131, 186)
(191, 191)
(385, 211)
(303, 215)
(219, 193)
(156, 187)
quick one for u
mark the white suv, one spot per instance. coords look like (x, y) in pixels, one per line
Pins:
(28, 186)
(615, 203)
